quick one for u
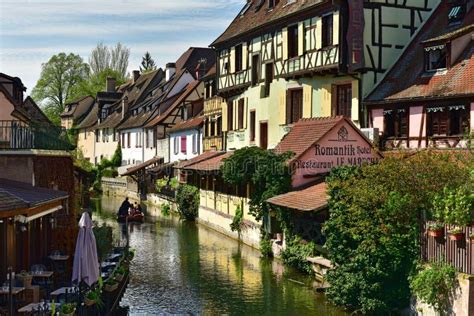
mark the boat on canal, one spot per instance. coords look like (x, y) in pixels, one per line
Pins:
(138, 217)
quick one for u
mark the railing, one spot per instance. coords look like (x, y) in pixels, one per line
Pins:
(459, 253)
(213, 105)
(19, 135)
(212, 143)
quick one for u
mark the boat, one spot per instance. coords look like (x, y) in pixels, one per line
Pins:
(138, 217)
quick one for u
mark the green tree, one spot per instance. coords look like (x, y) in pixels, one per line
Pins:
(373, 229)
(97, 82)
(187, 200)
(148, 64)
(116, 160)
(58, 83)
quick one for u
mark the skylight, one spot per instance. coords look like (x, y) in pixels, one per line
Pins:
(456, 14)
(246, 8)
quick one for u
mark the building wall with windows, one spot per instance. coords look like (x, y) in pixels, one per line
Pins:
(86, 143)
(106, 141)
(185, 144)
(132, 141)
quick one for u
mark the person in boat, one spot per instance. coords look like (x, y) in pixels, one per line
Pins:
(123, 210)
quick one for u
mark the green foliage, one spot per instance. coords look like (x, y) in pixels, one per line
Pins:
(111, 281)
(372, 233)
(96, 82)
(435, 285)
(67, 308)
(296, 253)
(110, 173)
(116, 160)
(187, 199)
(453, 206)
(165, 209)
(265, 170)
(81, 162)
(148, 64)
(266, 247)
(104, 240)
(60, 77)
(165, 182)
(236, 225)
(96, 296)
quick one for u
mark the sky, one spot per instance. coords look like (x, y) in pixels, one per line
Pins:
(31, 31)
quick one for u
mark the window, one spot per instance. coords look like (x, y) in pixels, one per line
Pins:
(293, 41)
(447, 120)
(97, 135)
(219, 126)
(268, 78)
(344, 100)
(115, 135)
(238, 58)
(138, 140)
(123, 140)
(327, 30)
(435, 58)
(456, 14)
(271, 4)
(294, 105)
(183, 144)
(230, 116)
(255, 69)
(176, 145)
(128, 139)
(195, 144)
(213, 127)
(241, 110)
(252, 126)
(396, 123)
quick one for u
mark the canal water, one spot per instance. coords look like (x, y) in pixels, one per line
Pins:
(185, 268)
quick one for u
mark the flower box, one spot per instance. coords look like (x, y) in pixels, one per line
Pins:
(110, 288)
(456, 236)
(119, 277)
(88, 302)
(436, 233)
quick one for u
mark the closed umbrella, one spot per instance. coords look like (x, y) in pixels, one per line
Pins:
(86, 262)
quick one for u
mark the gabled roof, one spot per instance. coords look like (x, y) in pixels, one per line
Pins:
(305, 133)
(190, 58)
(79, 107)
(407, 80)
(252, 20)
(35, 112)
(138, 91)
(91, 118)
(193, 123)
(152, 162)
(310, 199)
(210, 164)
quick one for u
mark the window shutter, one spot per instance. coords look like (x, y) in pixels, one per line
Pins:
(301, 38)
(246, 105)
(224, 116)
(282, 108)
(335, 29)
(285, 43)
(235, 117)
(355, 101)
(244, 56)
(183, 144)
(232, 60)
(307, 101)
(319, 32)
(326, 101)
(290, 104)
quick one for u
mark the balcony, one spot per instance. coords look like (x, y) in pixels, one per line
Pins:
(213, 143)
(213, 106)
(21, 136)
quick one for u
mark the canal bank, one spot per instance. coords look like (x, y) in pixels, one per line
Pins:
(184, 268)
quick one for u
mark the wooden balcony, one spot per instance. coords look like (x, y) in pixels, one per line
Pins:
(213, 106)
(213, 143)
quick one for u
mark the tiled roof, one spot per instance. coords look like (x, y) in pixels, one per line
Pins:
(312, 198)
(10, 202)
(79, 107)
(305, 133)
(451, 35)
(204, 156)
(91, 118)
(253, 20)
(189, 59)
(211, 164)
(18, 193)
(34, 111)
(143, 165)
(137, 92)
(407, 79)
(189, 124)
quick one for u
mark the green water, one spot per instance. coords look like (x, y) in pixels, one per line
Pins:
(184, 268)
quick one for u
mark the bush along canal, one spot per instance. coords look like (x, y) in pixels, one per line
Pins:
(184, 268)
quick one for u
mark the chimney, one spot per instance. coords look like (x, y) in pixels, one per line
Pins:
(136, 75)
(124, 106)
(170, 70)
(110, 84)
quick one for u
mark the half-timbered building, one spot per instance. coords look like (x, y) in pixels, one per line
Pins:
(427, 98)
(280, 61)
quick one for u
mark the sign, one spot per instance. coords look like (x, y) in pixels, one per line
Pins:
(342, 146)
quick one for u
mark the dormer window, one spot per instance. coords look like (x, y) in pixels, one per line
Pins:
(456, 14)
(246, 8)
(435, 58)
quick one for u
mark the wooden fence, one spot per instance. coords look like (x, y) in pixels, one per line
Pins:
(458, 253)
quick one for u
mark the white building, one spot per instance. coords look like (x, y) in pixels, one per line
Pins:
(185, 139)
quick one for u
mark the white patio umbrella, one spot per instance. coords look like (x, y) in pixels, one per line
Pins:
(86, 262)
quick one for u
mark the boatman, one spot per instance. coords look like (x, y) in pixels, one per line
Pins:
(123, 210)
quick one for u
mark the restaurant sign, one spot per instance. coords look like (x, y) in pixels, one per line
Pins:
(342, 146)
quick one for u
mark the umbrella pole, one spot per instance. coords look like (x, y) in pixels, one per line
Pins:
(10, 290)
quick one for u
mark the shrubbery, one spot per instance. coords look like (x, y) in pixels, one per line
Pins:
(296, 253)
(187, 199)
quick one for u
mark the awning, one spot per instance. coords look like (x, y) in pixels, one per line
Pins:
(211, 164)
(313, 198)
(162, 167)
(143, 165)
(44, 213)
(205, 156)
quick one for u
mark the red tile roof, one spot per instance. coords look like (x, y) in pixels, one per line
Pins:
(189, 124)
(211, 164)
(407, 79)
(207, 155)
(305, 133)
(143, 165)
(313, 198)
(253, 20)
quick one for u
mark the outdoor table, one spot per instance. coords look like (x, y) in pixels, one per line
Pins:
(62, 291)
(114, 256)
(35, 306)
(42, 274)
(108, 264)
(59, 257)
(15, 290)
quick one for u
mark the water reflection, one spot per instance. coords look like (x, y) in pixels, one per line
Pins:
(183, 268)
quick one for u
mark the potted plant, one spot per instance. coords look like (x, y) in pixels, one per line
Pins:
(67, 309)
(435, 230)
(455, 234)
(110, 285)
(26, 278)
(119, 273)
(93, 297)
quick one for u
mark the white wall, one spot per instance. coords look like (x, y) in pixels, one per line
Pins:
(176, 137)
(135, 153)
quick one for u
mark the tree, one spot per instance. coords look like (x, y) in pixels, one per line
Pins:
(58, 83)
(96, 82)
(373, 230)
(148, 64)
(105, 58)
